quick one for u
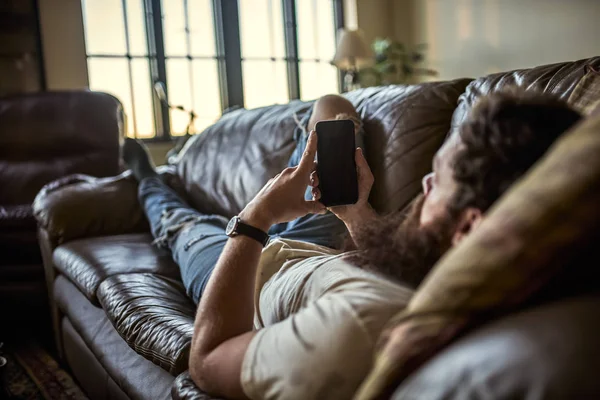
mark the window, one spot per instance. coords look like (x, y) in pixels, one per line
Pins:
(191, 62)
(118, 59)
(210, 55)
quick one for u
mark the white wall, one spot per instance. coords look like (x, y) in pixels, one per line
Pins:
(63, 44)
(477, 37)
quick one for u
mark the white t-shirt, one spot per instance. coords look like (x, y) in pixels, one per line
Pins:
(318, 319)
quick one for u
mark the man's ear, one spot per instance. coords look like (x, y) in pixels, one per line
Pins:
(468, 221)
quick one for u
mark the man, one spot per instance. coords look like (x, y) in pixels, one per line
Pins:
(299, 320)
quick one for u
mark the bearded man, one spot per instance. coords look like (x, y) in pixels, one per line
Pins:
(299, 318)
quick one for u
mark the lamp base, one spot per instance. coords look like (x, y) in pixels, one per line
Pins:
(351, 80)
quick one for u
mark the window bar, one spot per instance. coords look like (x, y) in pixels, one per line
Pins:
(316, 35)
(128, 55)
(227, 34)
(291, 48)
(338, 16)
(156, 50)
(188, 46)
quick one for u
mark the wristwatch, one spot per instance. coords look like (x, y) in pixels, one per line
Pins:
(237, 227)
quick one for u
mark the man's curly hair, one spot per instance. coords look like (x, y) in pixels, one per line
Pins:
(505, 134)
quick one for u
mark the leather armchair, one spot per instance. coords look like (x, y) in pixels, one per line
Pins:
(43, 137)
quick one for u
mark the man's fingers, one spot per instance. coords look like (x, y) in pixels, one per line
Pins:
(308, 157)
(362, 166)
(314, 207)
(314, 179)
(316, 193)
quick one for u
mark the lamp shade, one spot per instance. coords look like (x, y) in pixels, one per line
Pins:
(352, 51)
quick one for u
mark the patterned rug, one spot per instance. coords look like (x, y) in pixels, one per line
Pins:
(32, 374)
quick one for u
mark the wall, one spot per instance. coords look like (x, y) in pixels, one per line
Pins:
(478, 37)
(63, 44)
(374, 18)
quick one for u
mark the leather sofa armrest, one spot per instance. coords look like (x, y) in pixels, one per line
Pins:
(185, 389)
(79, 206)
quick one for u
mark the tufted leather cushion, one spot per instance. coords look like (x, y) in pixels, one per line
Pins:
(225, 166)
(153, 315)
(136, 376)
(405, 126)
(72, 132)
(88, 262)
(185, 389)
(558, 79)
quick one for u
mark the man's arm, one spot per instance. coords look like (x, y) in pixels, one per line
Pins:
(223, 326)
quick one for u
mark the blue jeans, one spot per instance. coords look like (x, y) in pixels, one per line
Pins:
(197, 240)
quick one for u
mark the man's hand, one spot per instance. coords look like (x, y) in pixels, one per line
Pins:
(282, 198)
(353, 215)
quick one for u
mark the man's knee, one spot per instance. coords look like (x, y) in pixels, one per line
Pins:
(330, 106)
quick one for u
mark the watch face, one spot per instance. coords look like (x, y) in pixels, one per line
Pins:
(232, 226)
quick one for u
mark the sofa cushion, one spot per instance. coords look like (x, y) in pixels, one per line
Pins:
(136, 376)
(223, 168)
(48, 135)
(548, 352)
(405, 125)
(547, 223)
(558, 79)
(88, 262)
(154, 316)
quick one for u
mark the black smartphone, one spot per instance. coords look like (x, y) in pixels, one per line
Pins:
(336, 166)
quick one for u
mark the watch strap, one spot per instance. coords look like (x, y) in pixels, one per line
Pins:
(254, 233)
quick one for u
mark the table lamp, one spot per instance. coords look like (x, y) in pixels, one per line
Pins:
(351, 54)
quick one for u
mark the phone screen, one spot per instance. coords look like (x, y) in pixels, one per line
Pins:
(336, 166)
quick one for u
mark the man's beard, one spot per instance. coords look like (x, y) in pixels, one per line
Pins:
(397, 247)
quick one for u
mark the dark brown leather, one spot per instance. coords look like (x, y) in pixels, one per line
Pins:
(84, 366)
(72, 132)
(136, 376)
(557, 79)
(550, 352)
(17, 217)
(88, 262)
(45, 136)
(80, 206)
(153, 315)
(224, 167)
(185, 389)
(405, 126)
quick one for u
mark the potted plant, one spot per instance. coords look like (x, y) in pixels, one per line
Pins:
(395, 63)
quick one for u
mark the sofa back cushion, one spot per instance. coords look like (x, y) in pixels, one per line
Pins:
(226, 165)
(558, 79)
(405, 125)
(45, 136)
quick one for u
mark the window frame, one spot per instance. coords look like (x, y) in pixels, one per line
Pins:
(229, 63)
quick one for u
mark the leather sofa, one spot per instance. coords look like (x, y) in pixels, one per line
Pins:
(123, 321)
(44, 136)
